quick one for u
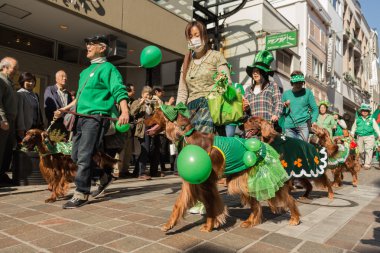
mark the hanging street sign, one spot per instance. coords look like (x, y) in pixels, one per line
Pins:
(281, 40)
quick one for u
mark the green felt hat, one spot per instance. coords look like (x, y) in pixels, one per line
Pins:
(364, 107)
(263, 60)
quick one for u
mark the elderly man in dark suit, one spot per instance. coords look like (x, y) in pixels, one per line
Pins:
(56, 96)
(8, 113)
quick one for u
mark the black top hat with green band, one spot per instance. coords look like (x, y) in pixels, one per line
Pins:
(262, 61)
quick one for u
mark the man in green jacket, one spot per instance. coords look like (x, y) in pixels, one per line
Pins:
(364, 128)
(100, 85)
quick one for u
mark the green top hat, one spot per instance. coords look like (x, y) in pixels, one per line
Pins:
(262, 61)
(364, 107)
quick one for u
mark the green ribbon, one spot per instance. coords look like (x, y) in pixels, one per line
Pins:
(171, 112)
(297, 78)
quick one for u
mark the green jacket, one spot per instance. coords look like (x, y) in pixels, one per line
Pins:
(104, 87)
(328, 122)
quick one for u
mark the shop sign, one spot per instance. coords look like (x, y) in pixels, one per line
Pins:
(281, 40)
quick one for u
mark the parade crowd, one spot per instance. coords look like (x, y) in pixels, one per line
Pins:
(102, 95)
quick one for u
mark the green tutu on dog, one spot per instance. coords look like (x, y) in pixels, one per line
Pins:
(267, 176)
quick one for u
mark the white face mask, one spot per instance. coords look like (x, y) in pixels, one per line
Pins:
(196, 44)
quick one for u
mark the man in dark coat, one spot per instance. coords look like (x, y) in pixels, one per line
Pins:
(56, 96)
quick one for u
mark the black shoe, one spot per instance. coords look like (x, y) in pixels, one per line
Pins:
(75, 202)
(101, 188)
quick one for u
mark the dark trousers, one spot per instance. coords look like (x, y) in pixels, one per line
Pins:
(142, 159)
(7, 142)
(88, 133)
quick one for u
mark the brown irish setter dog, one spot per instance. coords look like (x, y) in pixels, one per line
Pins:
(59, 170)
(207, 192)
(256, 126)
(351, 164)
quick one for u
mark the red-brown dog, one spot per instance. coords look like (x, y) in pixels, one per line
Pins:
(260, 127)
(207, 192)
(351, 164)
(59, 170)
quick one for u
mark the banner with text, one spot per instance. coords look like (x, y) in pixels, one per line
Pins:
(281, 40)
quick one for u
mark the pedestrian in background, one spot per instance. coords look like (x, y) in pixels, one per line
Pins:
(55, 97)
(325, 119)
(364, 128)
(8, 113)
(29, 114)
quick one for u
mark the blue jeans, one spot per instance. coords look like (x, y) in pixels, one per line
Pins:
(230, 130)
(301, 132)
(88, 133)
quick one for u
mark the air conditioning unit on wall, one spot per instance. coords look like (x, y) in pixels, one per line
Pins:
(118, 49)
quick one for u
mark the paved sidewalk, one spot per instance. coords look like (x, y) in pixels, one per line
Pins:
(129, 217)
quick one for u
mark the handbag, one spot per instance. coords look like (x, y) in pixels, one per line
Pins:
(69, 118)
(226, 105)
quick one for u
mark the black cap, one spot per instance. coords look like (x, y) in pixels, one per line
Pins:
(98, 39)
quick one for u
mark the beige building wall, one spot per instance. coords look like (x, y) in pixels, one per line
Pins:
(316, 47)
(139, 18)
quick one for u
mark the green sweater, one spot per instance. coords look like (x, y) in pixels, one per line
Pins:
(328, 122)
(103, 88)
(302, 106)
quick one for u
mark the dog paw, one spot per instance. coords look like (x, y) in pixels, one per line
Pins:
(305, 198)
(50, 200)
(166, 228)
(246, 224)
(294, 221)
(337, 185)
(205, 228)
(331, 196)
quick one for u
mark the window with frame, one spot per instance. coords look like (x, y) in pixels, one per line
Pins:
(338, 45)
(283, 61)
(312, 28)
(317, 69)
(338, 83)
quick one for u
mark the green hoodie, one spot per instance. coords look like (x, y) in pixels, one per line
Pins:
(104, 87)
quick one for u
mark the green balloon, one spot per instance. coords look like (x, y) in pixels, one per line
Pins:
(194, 164)
(252, 144)
(249, 158)
(121, 128)
(150, 57)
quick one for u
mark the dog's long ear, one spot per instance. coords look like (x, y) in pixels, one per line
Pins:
(267, 130)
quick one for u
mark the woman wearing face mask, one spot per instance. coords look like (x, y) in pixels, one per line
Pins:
(196, 80)
(262, 98)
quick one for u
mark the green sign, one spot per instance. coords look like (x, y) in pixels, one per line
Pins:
(281, 40)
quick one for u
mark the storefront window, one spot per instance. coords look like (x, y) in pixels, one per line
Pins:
(25, 42)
